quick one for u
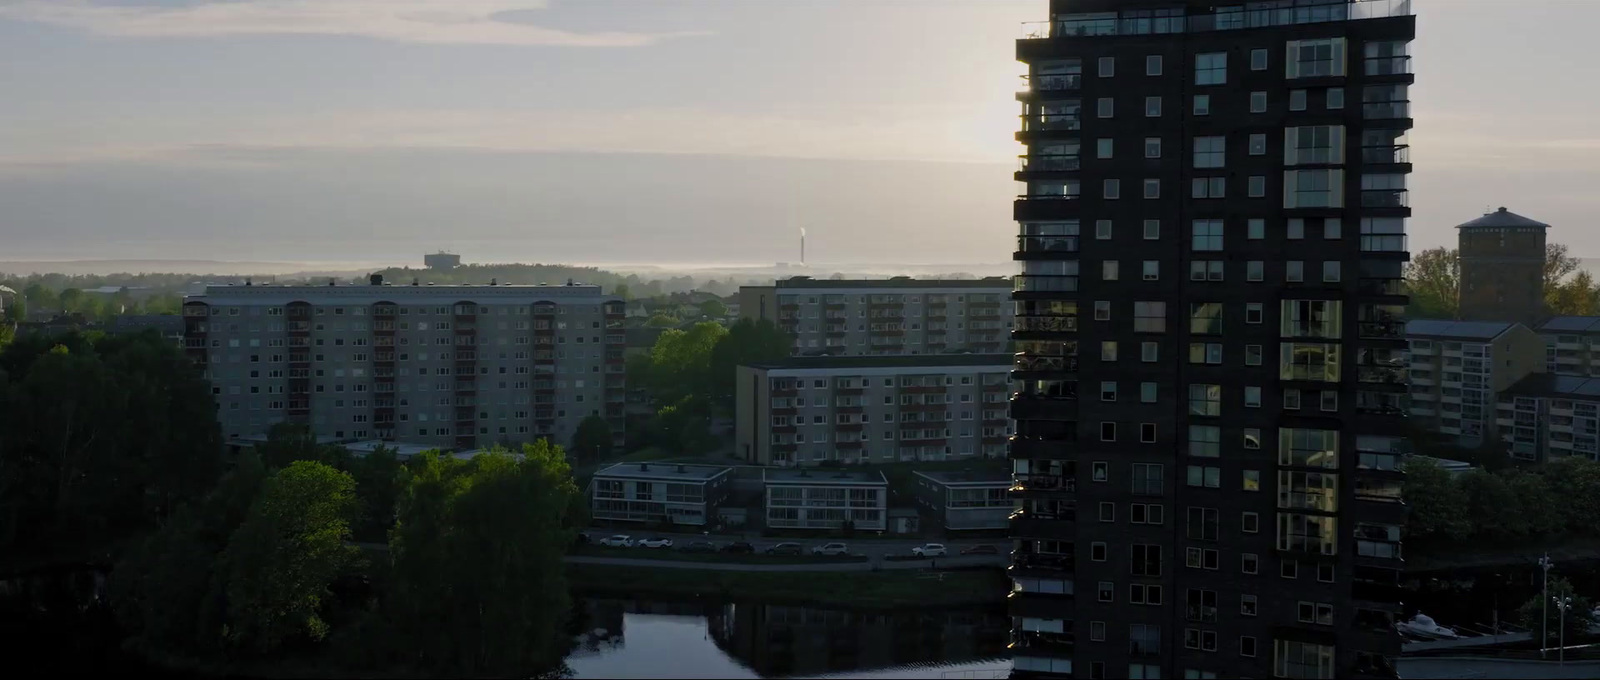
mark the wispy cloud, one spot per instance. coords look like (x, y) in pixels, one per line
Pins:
(484, 22)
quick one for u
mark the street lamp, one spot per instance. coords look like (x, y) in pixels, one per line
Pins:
(1562, 605)
(1544, 619)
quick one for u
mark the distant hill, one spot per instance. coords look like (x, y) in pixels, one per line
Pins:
(221, 267)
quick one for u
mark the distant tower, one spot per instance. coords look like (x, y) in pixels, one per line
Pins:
(441, 260)
(1502, 268)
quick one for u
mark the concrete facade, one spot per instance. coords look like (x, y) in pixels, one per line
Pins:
(1502, 268)
(823, 499)
(888, 316)
(656, 493)
(964, 501)
(1457, 369)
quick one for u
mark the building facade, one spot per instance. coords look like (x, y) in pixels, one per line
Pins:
(834, 499)
(1207, 185)
(1543, 417)
(965, 501)
(455, 367)
(889, 316)
(655, 493)
(1457, 369)
(1502, 268)
(1571, 345)
(806, 411)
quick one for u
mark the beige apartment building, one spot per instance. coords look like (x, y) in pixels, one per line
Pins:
(1457, 370)
(889, 316)
(804, 411)
(455, 367)
(1544, 416)
(1572, 345)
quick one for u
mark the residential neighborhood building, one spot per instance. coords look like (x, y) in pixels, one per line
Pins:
(901, 315)
(657, 493)
(1543, 417)
(1457, 369)
(456, 367)
(826, 499)
(963, 501)
(1207, 185)
(806, 411)
(1502, 258)
(1571, 345)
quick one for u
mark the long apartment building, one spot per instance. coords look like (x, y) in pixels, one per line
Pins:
(1543, 417)
(1209, 184)
(457, 367)
(885, 316)
(1572, 345)
(805, 411)
(1457, 370)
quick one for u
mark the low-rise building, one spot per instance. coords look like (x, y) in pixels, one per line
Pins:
(656, 493)
(826, 499)
(965, 500)
(808, 410)
(1543, 417)
(1457, 369)
(1572, 345)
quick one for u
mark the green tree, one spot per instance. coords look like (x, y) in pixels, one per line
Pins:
(1541, 514)
(17, 310)
(1438, 505)
(1493, 508)
(1578, 618)
(1433, 278)
(681, 361)
(1576, 482)
(1576, 296)
(684, 426)
(39, 296)
(286, 554)
(622, 291)
(592, 440)
(290, 442)
(713, 309)
(747, 342)
(379, 476)
(72, 300)
(661, 321)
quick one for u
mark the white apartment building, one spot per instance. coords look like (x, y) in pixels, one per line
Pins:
(804, 411)
(1457, 369)
(454, 367)
(901, 315)
(1572, 345)
(801, 499)
(1543, 417)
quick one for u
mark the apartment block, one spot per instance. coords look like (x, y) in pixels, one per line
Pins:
(1457, 369)
(1206, 185)
(965, 501)
(889, 316)
(657, 493)
(1571, 345)
(826, 499)
(453, 367)
(1543, 417)
(806, 411)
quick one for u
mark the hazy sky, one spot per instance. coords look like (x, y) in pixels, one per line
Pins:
(647, 130)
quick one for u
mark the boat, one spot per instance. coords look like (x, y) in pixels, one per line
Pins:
(1423, 626)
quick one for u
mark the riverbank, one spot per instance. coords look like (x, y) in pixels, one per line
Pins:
(868, 589)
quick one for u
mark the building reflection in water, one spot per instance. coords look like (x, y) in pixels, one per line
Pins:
(784, 640)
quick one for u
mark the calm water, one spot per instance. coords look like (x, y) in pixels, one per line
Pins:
(656, 639)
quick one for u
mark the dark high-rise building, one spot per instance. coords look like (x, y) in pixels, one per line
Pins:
(1210, 339)
(1502, 268)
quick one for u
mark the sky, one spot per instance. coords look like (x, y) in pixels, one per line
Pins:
(647, 131)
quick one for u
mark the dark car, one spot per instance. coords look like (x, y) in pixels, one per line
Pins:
(985, 549)
(699, 547)
(785, 549)
(738, 547)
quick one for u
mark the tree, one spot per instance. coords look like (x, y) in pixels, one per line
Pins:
(1576, 482)
(1433, 278)
(681, 361)
(1558, 263)
(39, 296)
(1438, 506)
(379, 476)
(17, 311)
(592, 441)
(71, 300)
(1576, 296)
(286, 554)
(1578, 618)
(290, 442)
(713, 309)
(1540, 511)
(747, 342)
(661, 321)
(1493, 509)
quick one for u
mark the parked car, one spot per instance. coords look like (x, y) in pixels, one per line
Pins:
(617, 541)
(929, 550)
(699, 547)
(985, 549)
(784, 549)
(739, 547)
(656, 542)
(581, 539)
(831, 549)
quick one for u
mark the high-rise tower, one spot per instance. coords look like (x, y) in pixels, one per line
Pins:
(1209, 185)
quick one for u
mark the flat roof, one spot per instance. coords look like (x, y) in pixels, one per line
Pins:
(668, 471)
(255, 439)
(896, 282)
(1573, 324)
(1464, 330)
(889, 361)
(825, 477)
(401, 449)
(966, 477)
(1548, 385)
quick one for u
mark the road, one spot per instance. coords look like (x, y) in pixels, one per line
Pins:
(875, 548)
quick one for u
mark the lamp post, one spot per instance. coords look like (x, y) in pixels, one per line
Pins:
(1544, 618)
(1562, 605)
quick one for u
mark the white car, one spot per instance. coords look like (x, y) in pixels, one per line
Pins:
(929, 550)
(831, 549)
(617, 541)
(657, 542)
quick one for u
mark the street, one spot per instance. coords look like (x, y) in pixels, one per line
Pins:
(875, 548)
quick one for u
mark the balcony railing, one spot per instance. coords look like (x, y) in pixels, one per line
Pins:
(1385, 198)
(1046, 562)
(1230, 19)
(1383, 243)
(1052, 82)
(1381, 329)
(1399, 153)
(1026, 362)
(1382, 286)
(1032, 482)
(1046, 324)
(1387, 66)
(1049, 163)
(1051, 122)
(1055, 284)
(1047, 244)
(1042, 642)
(1386, 110)
(1381, 374)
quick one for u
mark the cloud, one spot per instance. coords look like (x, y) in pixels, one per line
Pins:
(480, 22)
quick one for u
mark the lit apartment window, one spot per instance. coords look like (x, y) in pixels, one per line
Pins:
(1211, 68)
(1202, 105)
(1210, 152)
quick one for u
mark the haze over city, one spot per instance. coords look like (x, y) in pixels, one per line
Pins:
(642, 132)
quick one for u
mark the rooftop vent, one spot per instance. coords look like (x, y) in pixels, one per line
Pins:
(644, 467)
(682, 468)
(375, 279)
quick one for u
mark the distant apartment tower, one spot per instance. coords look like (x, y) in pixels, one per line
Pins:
(441, 260)
(808, 411)
(458, 367)
(901, 315)
(1210, 339)
(1502, 268)
(1457, 370)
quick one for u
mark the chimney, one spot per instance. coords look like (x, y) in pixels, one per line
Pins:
(413, 280)
(247, 281)
(375, 279)
(331, 281)
(644, 467)
(494, 282)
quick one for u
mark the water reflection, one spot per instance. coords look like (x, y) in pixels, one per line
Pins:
(646, 638)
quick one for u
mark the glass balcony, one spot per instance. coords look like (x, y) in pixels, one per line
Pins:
(1051, 123)
(1386, 110)
(1048, 163)
(1381, 155)
(1049, 284)
(1382, 286)
(1046, 324)
(1383, 243)
(1230, 18)
(1037, 641)
(1058, 82)
(1385, 198)
(1387, 66)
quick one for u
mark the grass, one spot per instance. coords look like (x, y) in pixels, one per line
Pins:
(865, 589)
(724, 558)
